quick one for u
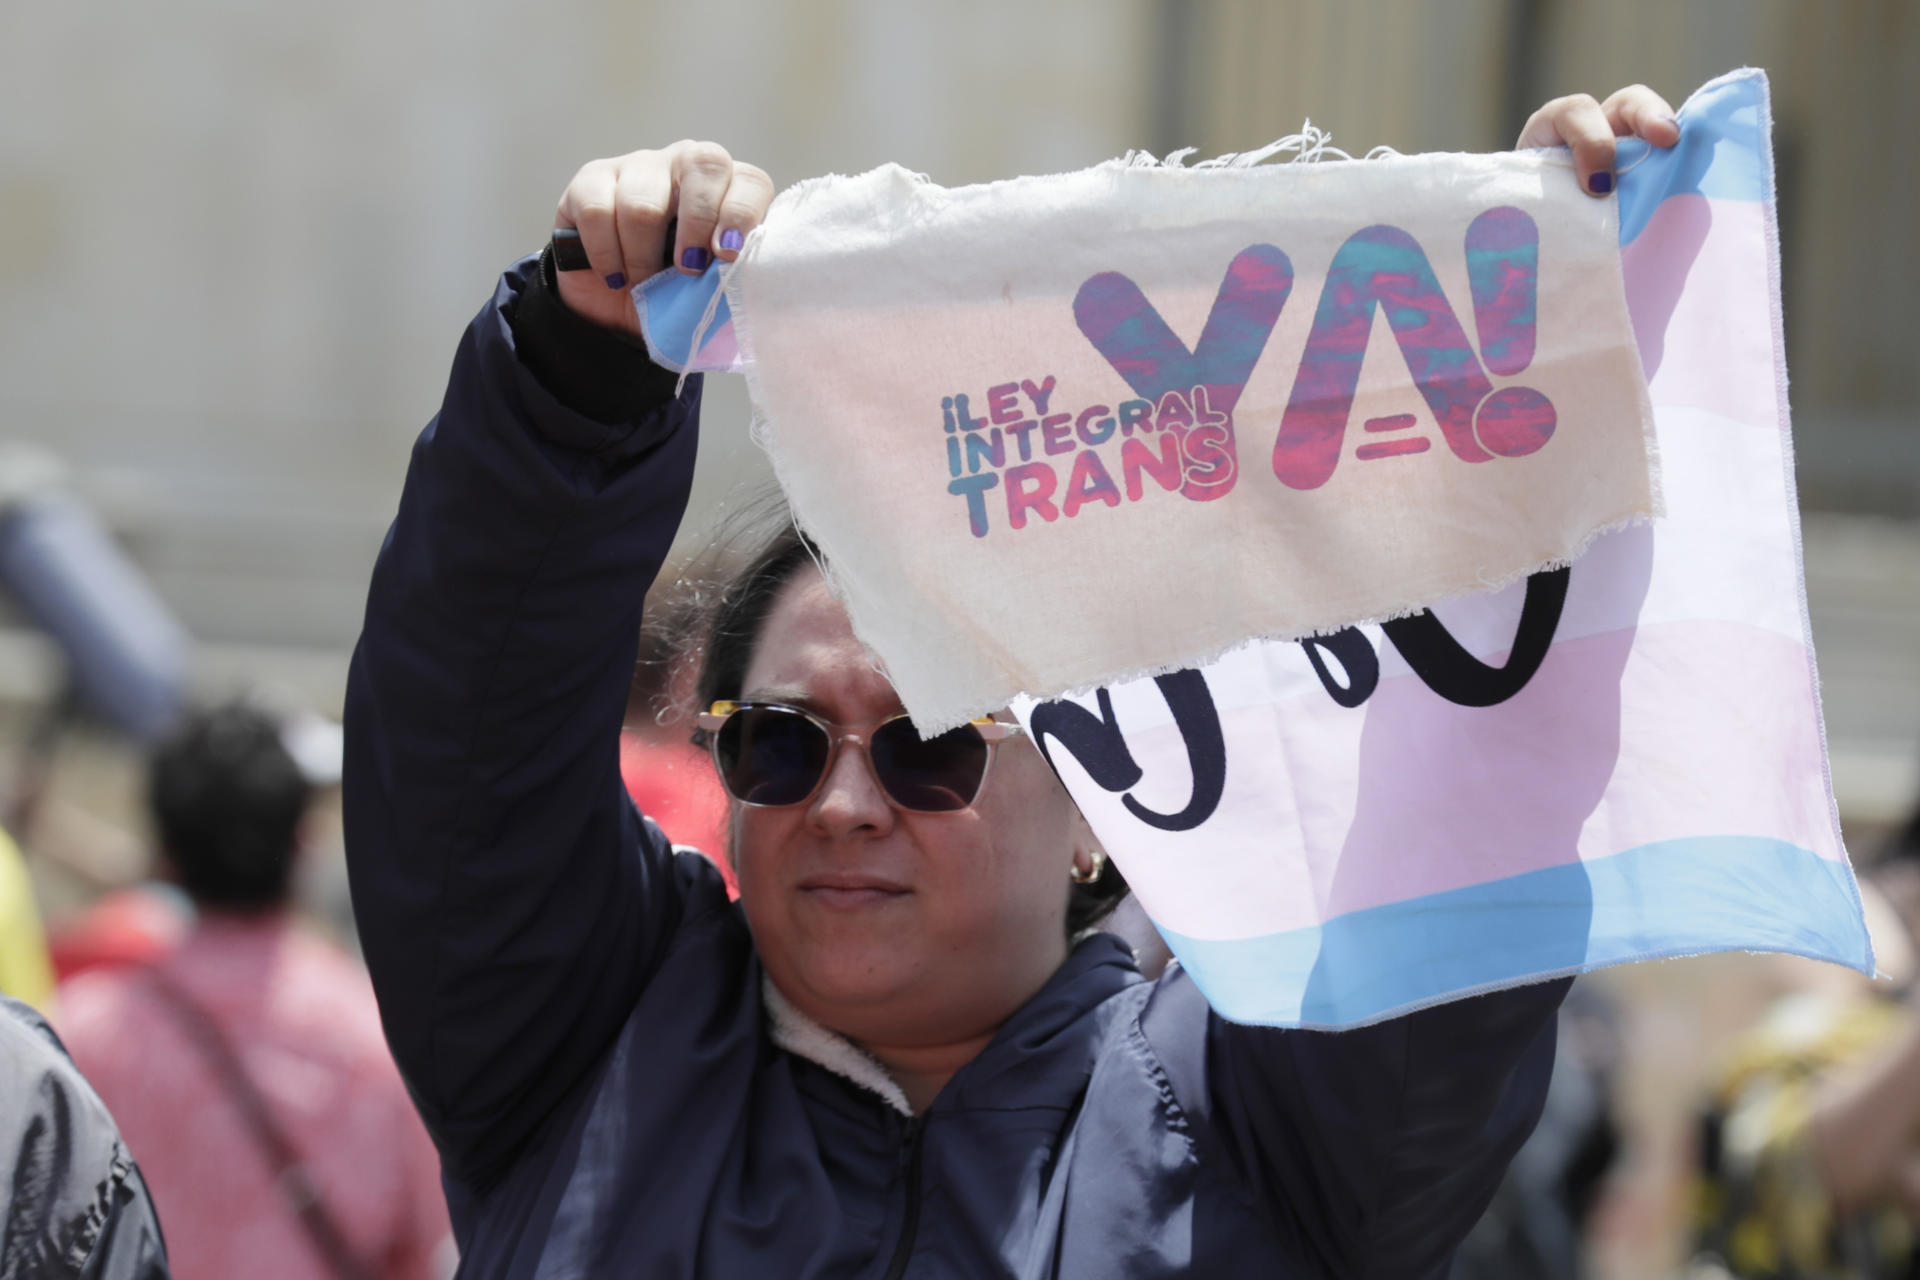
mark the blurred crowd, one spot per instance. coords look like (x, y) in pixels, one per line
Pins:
(232, 1037)
(197, 1058)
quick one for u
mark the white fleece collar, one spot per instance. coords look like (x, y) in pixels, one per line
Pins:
(801, 1036)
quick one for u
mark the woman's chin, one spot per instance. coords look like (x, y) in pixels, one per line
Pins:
(848, 978)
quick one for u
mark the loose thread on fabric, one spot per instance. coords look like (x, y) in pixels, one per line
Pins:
(1487, 585)
(707, 317)
(1309, 146)
(760, 428)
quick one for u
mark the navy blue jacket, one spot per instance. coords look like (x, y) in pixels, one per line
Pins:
(579, 1012)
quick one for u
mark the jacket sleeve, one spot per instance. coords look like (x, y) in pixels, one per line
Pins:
(72, 1201)
(1374, 1150)
(511, 901)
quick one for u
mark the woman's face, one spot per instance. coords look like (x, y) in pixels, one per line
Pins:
(893, 927)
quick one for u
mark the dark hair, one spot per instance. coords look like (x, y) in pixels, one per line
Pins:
(738, 613)
(227, 799)
(1089, 904)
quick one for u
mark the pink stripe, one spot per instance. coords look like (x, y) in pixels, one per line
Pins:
(1694, 283)
(1432, 774)
(719, 351)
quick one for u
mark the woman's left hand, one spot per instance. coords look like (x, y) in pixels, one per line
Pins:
(1590, 127)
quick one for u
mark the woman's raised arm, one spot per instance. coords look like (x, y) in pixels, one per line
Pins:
(511, 902)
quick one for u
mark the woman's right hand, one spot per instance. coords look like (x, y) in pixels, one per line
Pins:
(624, 206)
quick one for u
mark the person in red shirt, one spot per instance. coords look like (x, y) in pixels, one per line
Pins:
(671, 780)
(246, 1065)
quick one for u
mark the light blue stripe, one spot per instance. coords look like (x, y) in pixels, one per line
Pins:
(671, 305)
(1722, 153)
(1676, 897)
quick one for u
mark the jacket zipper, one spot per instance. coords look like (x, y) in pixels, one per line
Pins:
(910, 1223)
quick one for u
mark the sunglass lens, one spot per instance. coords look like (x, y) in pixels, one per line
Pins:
(771, 756)
(936, 776)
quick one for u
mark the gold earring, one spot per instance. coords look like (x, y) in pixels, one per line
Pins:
(1075, 874)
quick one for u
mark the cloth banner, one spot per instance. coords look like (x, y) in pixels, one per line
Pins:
(1059, 431)
(1618, 760)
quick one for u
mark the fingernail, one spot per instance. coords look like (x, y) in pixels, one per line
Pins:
(731, 239)
(618, 280)
(1600, 182)
(1672, 120)
(695, 259)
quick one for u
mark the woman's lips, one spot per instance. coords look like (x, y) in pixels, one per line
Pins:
(852, 892)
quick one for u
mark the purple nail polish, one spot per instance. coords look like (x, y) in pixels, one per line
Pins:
(695, 259)
(618, 280)
(731, 239)
(1600, 183)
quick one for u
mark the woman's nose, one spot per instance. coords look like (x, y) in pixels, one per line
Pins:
(850, 798)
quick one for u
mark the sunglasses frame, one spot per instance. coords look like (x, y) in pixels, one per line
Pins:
(710, 721)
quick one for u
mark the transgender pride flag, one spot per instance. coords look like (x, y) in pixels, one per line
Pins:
(1619, 761)
(1614, 761)
(687, 322)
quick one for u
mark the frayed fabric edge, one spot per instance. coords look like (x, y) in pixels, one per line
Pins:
(1309, 146)
(930, 724)
(1784, 410)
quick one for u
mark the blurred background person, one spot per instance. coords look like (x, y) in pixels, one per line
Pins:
(26, 971)
(671, 780)
(133, 925)
(1810, 1146)
(124, 660)
(246, 1065)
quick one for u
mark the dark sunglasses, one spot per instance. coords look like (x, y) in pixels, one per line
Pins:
(769, 754)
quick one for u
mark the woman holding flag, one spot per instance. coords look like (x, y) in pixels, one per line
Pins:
(904, 1051)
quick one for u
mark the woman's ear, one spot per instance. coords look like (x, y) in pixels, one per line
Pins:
(1087, 853)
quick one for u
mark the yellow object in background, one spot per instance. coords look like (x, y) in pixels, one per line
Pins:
(26, 973)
